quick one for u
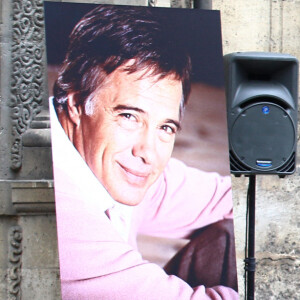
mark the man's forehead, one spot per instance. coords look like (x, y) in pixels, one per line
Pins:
(144, 79)
(141, 89)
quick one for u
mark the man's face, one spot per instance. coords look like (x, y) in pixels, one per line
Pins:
(129, 138)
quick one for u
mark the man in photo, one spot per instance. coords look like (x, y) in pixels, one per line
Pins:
(117, 105)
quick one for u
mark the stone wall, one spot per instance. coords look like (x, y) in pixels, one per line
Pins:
(28, 253)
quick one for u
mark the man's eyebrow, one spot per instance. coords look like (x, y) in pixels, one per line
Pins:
(125, 107)
(176, 123)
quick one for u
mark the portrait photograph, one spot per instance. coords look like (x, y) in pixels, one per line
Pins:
(140, 152)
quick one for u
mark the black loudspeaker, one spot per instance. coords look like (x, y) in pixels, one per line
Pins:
(261, 92)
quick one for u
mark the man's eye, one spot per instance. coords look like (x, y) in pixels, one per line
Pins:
(128, 116)
(168, 129)
(128, 121)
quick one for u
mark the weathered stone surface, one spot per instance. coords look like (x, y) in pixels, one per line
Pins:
(40, 271)
(245, 26)
(39, 241)
(271, 279)
(41, 283)
(291, 27)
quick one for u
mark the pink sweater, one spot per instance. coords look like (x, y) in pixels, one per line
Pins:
(95, 261)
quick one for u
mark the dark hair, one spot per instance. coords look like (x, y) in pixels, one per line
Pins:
(107, 38)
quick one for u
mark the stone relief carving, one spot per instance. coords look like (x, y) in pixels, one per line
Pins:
(27, 70)
(152, 3)
(15, 262)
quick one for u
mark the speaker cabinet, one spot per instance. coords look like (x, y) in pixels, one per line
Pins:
(261, 92)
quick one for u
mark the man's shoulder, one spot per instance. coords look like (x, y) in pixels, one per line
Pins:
(177, 173)
(176, 167)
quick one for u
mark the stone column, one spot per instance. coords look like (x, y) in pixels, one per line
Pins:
(28, 255)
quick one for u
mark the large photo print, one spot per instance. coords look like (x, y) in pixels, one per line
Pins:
(139, 146)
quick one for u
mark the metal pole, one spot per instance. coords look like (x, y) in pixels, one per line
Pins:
(203, 4)
(250, 260)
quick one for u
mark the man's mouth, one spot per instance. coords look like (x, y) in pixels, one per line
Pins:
(135, 177)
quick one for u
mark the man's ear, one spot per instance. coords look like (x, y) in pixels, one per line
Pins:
(74, 110)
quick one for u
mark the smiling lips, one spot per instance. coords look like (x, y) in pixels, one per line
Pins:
(134, 177)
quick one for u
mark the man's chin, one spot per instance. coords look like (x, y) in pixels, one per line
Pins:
(126, 192)
(131, 197)
(129, 202)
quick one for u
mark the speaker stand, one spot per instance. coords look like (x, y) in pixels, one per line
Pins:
(250, 241)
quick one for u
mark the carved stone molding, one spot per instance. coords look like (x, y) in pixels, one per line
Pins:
(15, 263)
(27, 70)
(29, 197)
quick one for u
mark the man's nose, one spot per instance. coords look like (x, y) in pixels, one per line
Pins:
(145, 145)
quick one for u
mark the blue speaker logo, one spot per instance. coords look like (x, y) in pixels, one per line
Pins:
(266, 110)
